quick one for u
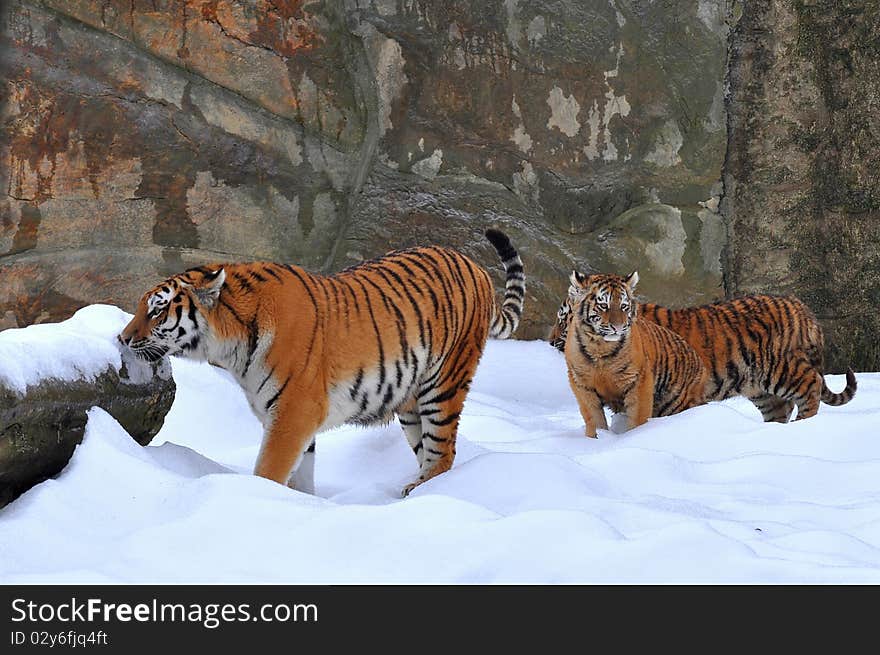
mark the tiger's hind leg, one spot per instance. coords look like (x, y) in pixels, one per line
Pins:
(411, 423)
(803, 387)
(773, 408)
(809, 394)
(440, 403)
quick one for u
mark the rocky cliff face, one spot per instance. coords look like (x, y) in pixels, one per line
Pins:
(802, 186)
(140, 137)
(145, 136)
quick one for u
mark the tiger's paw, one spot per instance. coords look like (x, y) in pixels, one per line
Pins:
(408, 488)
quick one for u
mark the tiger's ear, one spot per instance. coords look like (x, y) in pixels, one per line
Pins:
(208, 290)
(577, 283)
(577, 279)
(632, 280)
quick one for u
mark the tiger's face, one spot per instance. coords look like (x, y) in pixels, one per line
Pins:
(604, 304)
(169, 318)
(560, 329)
(576, 291)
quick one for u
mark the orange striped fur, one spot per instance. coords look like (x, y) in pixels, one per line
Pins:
(766, 348)
(634, 366)
(401, 334)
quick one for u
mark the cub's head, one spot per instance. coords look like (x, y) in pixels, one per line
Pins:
(169, 319)
(560, 328)
(603, 305)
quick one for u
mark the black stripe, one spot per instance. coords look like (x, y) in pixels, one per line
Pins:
(266, 379)
(400, 323)
(242, 281)
(277, 394)
(582, 348)
(232, 311)
(293, 271)
(445, 421)
(269, 271)
(253, 337)
(178, 310)
(377, 333)
(403, 286)
(513, 269)
(359, 378)
(191, 313)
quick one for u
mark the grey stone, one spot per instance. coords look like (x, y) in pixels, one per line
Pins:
(40, 428)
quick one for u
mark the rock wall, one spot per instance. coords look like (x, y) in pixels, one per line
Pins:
(40, 428)
(140, 137)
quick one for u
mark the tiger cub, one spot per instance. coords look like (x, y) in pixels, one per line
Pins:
(767, 348)
(631, 365)
(401, 334)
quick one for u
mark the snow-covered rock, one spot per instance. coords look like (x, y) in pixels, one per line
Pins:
(52, 374)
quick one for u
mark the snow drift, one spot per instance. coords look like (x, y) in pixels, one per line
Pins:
(709, 495)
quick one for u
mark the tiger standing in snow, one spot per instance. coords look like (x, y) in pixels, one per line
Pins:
(769, 349)
(631, 365)
(401, 334)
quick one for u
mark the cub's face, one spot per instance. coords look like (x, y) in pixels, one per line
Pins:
(560, 329)
(605, 305)
(169, 318)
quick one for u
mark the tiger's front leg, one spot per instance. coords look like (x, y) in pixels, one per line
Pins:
(288, 437)
(590, 407)
(303, 476)
(639, 402)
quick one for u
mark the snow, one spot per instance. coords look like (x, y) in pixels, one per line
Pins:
(80, 347)
(711, 495)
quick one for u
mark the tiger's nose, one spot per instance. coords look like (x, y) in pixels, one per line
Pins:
(123, 340)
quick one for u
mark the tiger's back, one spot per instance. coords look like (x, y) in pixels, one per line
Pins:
(745, 341)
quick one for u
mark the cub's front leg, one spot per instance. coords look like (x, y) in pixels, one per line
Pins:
(590, 406)
(639, 402)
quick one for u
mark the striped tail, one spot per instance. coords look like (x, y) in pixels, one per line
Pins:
(504, 322)
(831, 398)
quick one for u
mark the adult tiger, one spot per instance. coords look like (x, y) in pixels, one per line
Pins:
(401, 334)
(767, 348)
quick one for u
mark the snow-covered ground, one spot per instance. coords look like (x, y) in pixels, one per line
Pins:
(710, 495)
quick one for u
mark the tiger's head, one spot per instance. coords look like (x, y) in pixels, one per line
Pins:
(170, 317)
(604, 305)
(576, 291)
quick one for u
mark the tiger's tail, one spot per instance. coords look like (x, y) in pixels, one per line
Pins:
(505, 321)
(830, 398)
